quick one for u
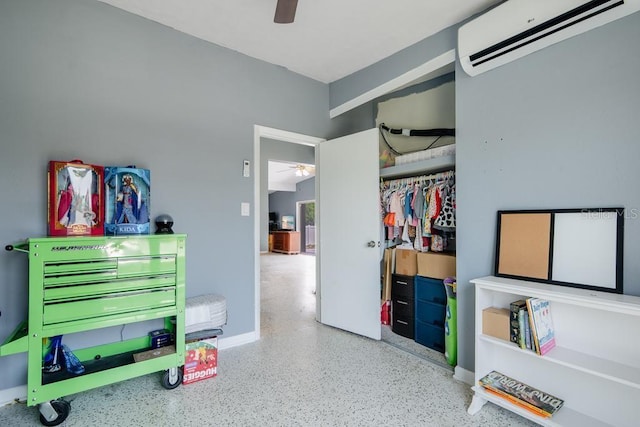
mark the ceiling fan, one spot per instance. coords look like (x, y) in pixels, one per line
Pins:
(285, 11)
(302, 170)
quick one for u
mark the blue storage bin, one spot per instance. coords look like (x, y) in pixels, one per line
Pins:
(430, 313)
(430, 336)
(431, 290)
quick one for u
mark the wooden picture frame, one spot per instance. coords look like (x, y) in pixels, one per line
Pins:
(581, 248)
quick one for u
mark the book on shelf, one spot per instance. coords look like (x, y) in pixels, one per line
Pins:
(527, 330)
(523, 319)
(521, 394)
(542, 324)
(514, 320)
(519, 403)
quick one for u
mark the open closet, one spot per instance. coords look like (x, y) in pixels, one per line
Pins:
(417, 201)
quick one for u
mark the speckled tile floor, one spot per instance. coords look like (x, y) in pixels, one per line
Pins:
(301, 373)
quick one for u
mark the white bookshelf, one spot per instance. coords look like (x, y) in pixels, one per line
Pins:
(595, 366)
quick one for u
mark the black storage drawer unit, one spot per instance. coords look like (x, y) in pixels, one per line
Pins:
(430, 309)
(403, 305)
(403, 325)
(402, 286)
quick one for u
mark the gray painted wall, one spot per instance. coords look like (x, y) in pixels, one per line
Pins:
(85, 80)
(360, 82)
(277, 150)
(556, 129)
(284, 202)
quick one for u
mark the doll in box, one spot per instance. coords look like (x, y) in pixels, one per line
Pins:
(127, 200)
(75, 199)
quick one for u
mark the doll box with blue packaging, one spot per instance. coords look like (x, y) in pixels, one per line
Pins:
(127, 196)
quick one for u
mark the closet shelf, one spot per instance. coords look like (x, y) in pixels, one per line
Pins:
(437, 164)
(604, 368)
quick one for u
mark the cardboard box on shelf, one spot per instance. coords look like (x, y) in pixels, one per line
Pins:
(406, 262)
(201, 360)
(387, 271)
(436, 265)
(495, 322)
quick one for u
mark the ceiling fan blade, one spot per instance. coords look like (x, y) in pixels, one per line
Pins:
(285, 11)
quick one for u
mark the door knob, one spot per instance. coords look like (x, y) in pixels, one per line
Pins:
(371, 244)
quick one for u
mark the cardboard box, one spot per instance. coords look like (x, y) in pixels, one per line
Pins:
(406, 262)
(153, 353)
(387, 271)
(201, 360)
(436, 265)
(495, 322)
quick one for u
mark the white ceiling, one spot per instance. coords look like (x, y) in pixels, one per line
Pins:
(282, 175)
(329, 39)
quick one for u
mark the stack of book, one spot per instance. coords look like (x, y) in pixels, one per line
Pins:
(531, 326)
(520, 394)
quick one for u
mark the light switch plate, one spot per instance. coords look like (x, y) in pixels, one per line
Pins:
(245, 208)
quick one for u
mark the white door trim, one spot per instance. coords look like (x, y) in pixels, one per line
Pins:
(260, 132)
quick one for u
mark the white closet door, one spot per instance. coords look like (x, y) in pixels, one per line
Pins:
(348, 229)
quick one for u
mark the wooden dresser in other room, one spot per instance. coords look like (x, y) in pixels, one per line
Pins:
(286, 242)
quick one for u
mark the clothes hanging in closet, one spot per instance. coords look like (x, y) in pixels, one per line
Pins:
(419, 212)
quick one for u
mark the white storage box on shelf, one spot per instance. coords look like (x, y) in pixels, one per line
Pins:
(432, 153)
(205, 312)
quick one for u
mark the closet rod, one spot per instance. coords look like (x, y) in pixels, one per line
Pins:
(418, 179)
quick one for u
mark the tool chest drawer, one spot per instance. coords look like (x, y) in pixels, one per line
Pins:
(89, 308)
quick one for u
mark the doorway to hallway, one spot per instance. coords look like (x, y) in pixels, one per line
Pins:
(307, 226)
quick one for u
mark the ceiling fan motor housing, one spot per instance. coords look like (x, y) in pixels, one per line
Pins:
(285, 11)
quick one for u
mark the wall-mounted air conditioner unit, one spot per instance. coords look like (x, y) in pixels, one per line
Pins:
(519, 27)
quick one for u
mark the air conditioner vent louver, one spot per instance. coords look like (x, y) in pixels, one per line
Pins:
(519, 27)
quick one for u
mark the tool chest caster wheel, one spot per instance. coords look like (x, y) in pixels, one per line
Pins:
(172, 378)
(54, 412)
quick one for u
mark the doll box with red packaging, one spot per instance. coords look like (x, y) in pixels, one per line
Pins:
(76, 199)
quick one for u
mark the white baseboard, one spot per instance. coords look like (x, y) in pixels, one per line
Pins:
(236, 340)
(465, 376)
(10, 395)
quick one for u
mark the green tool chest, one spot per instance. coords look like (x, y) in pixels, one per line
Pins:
(79, 284)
